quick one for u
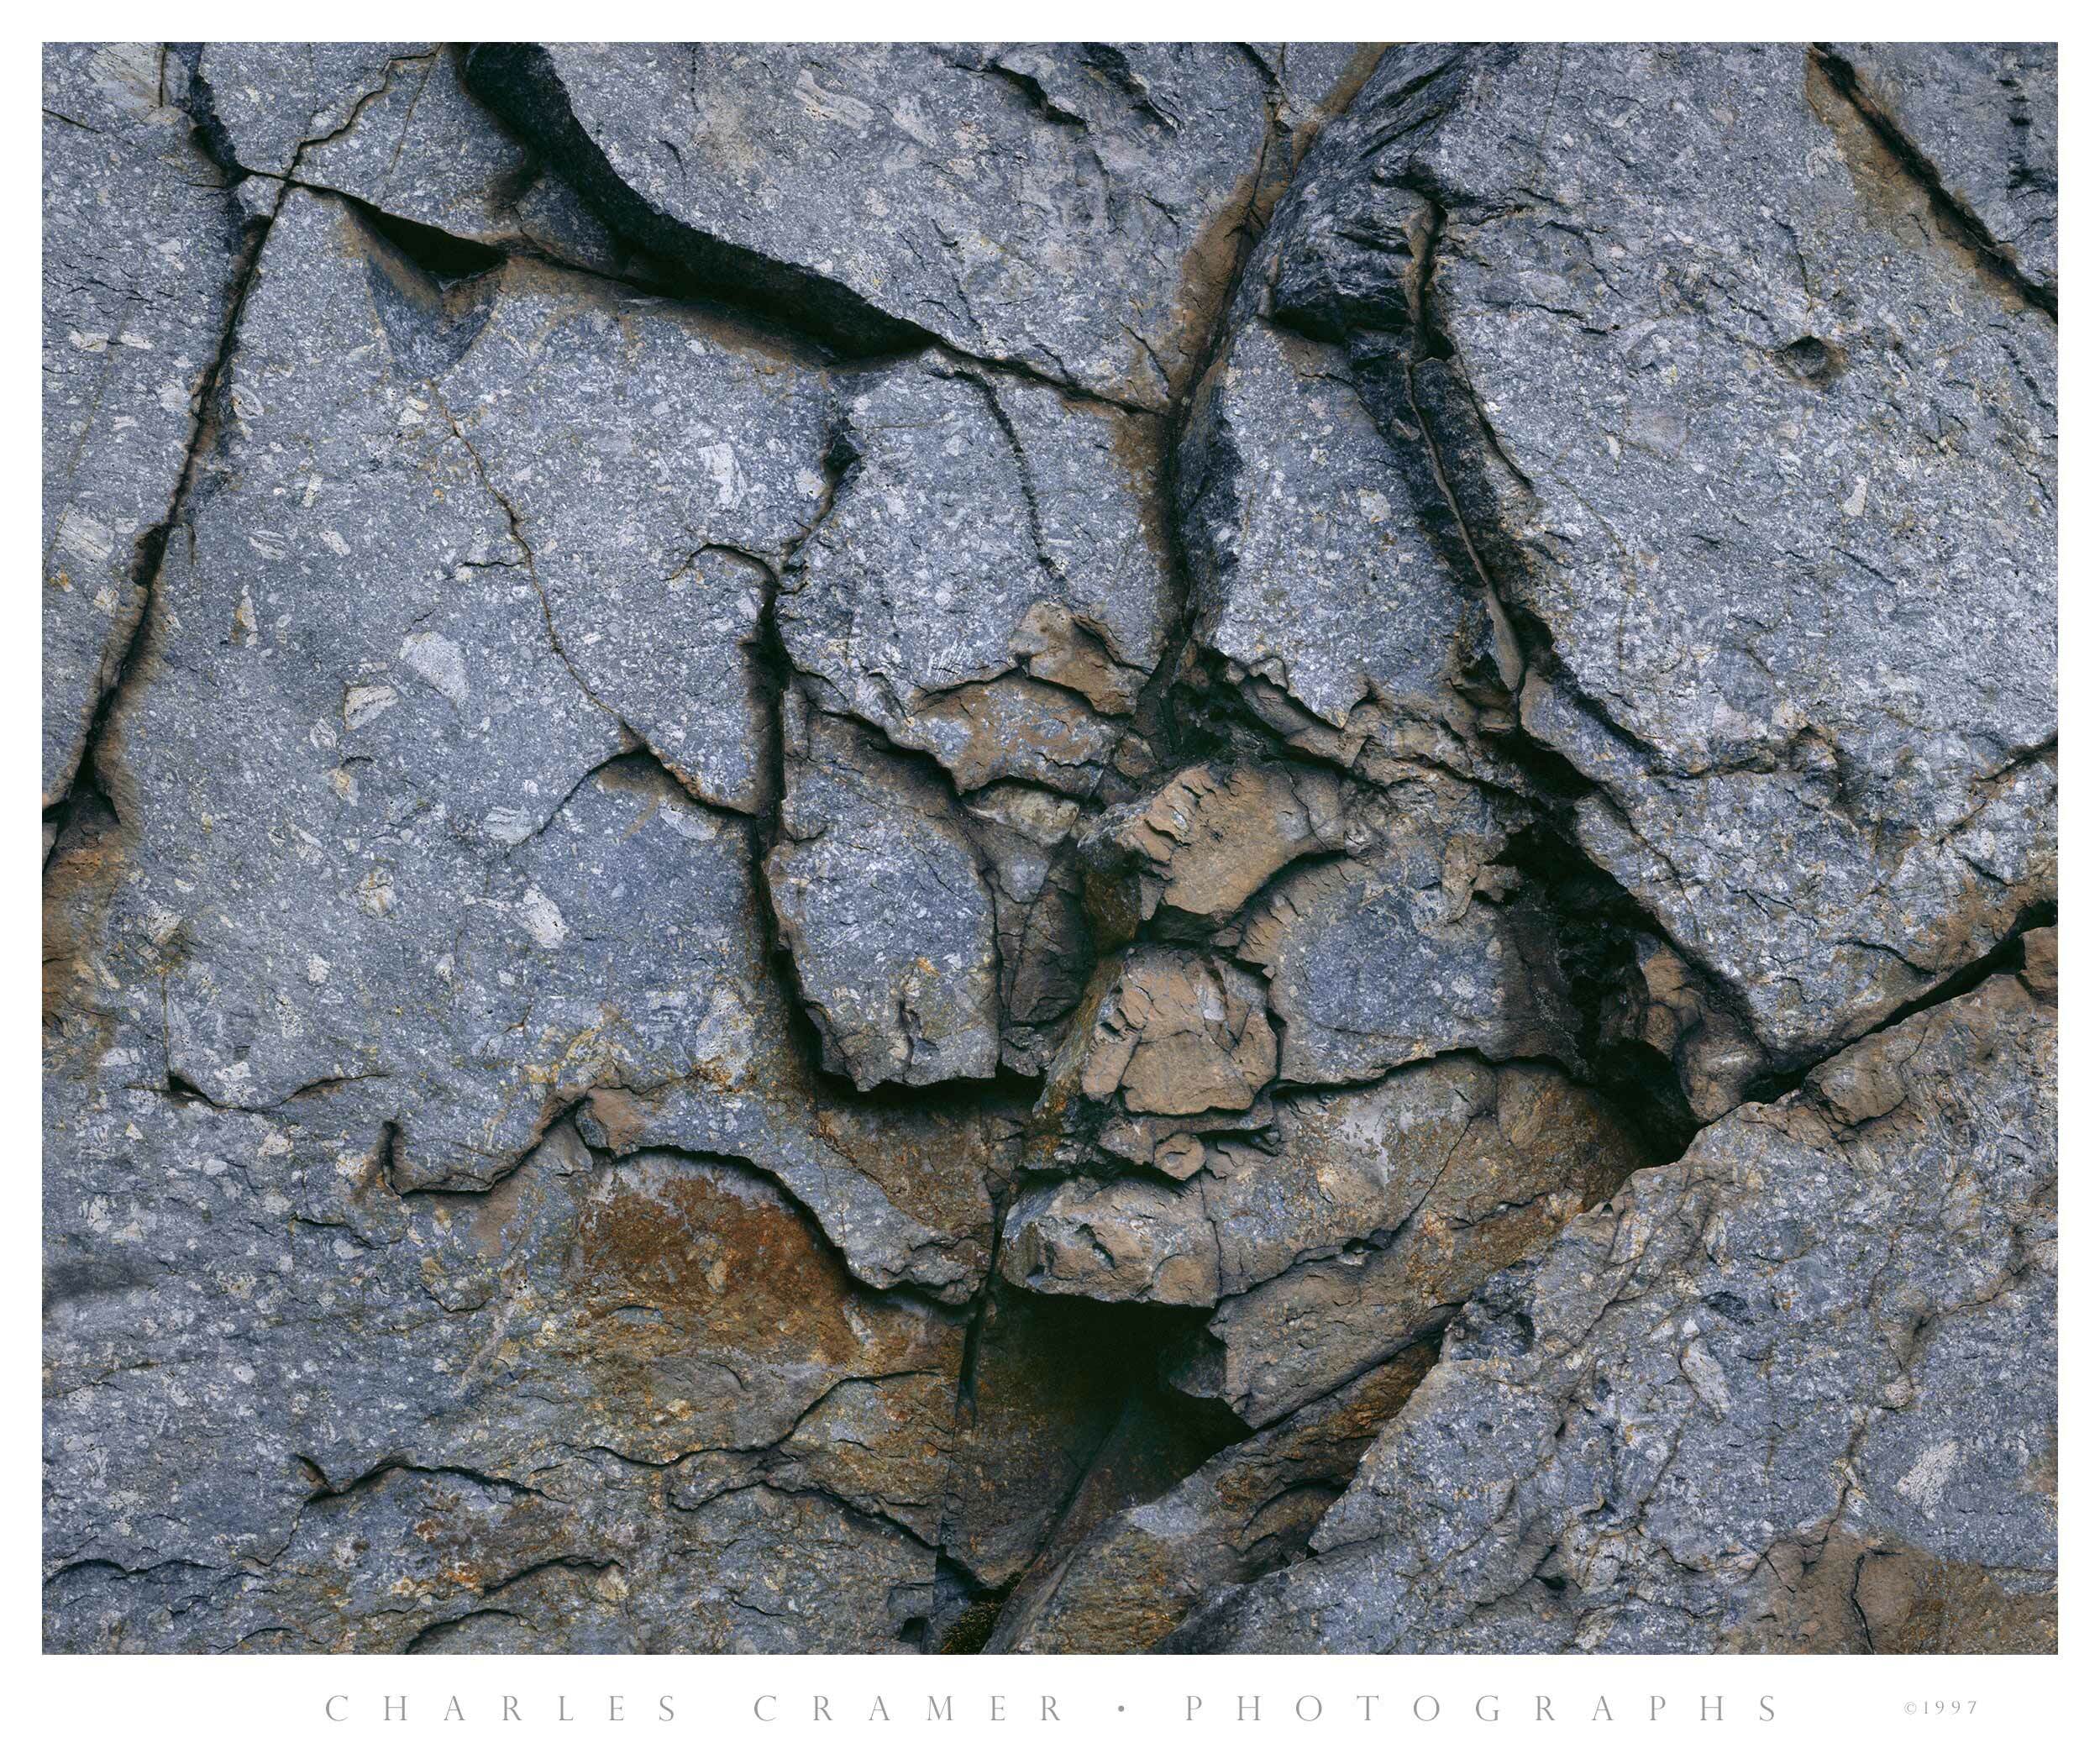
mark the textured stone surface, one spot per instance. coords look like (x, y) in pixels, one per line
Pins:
(998, 185)
(1404, 952)
(1820, 721)
(1369, 1214)
(669, 462)
(142, 245)
(876, 889)
(1246, 1512)
(1981, 118)
(1049, 847)
(988, 583)
(1198, 848)
(1309, 574)
(268, 102)
(1789, 1353)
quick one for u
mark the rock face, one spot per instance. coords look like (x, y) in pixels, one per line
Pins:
(1681, 425)
(999, 187)
(144, 244)
(1062, 848)
(1842, 1284)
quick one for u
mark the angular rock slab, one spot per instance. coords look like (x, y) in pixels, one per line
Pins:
(142, 248)
(1407, 949)
(1169, 1042)
(1778, 584)
(1026, 839)
(1824, 1337)
(268, 102)
(357, 766)
(1003, 187)
(988, 583)
(422, 150)
(1311, 576)
(876, 889)
(1198, 848)
(658, 465)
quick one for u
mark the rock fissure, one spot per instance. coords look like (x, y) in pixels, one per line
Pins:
(783, 934)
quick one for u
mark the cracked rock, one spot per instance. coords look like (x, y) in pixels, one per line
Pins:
(1000, 185)
(1198, 848)
(876, 887)
(1049, 847)
(1168, 1042)
(143, 244)
(988, 584)
(1833, 1282)
(1982, 119)
(1341, 1235)
(1406, 951)
(1248, 1510)
(1678, 429)
(658, 465)
(268, 102)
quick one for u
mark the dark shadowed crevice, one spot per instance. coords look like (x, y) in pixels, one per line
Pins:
(248, 233)
(1955, 214)
(443, 257)
(2005, 956)
(518, 82)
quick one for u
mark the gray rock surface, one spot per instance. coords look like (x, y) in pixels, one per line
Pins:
(989, 582)
(670, 463)
(1057, 847)
(1713, 1399)
(1725, 311)
(143, 246)
(1980, 118)
(1000, 186)
(875, 886)
(1405, 951)
(268, 103)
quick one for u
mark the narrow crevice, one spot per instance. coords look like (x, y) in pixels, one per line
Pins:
(2005, 956)
(777, 678)
(644, 279)
(569, 1114)
(1953, 213)
(1598, 917)
(968, 1633)
(386, 1158)
(149, 552)
(326, 1490)
(517, 82)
